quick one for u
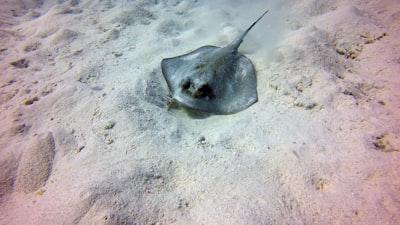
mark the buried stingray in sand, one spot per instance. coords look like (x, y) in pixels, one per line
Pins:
(213, 79)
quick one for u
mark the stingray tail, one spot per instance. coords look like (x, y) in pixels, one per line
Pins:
(239, 40)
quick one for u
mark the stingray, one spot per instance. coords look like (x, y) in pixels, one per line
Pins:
(210, 79)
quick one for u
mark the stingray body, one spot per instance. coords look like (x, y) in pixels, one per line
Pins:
(213, 79)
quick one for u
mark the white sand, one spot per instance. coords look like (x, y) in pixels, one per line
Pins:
(87, 138)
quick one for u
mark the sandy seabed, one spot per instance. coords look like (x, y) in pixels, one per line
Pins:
(87, 135)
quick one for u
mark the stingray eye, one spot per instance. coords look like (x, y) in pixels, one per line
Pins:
(205, 91)
(186, 85)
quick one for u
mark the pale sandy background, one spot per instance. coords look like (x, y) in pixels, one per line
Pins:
(86, 136)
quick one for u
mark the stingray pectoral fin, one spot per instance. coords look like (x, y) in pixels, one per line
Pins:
(240, 88)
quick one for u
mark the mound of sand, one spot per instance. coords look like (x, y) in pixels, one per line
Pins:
(36, 164)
